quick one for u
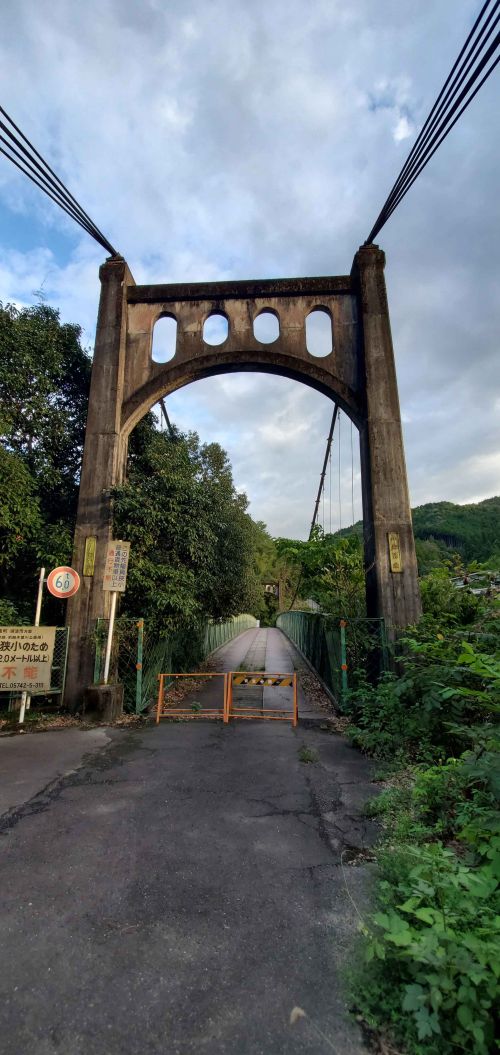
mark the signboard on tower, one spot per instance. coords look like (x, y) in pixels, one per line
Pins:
(115, 572)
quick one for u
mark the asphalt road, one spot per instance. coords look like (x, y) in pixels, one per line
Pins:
(181, 892)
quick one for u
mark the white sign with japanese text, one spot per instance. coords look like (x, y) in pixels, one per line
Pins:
(26, 654)
(115, 572)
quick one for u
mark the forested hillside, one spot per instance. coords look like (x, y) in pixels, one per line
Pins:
(444, 528)
(471, 530)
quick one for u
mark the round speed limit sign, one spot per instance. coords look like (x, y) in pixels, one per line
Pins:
(63, 582)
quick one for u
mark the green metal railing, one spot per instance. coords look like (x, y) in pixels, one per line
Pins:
(139, 655)
(337, 649)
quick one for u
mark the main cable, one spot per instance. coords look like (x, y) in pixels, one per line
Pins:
(454, 98)
(439, 107)
(31, 163)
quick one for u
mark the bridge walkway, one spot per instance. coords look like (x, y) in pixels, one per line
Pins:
(262, 649)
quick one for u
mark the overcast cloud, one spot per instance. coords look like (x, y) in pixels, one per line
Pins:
(228, 139)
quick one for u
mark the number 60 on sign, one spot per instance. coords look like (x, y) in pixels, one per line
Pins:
(63, 582)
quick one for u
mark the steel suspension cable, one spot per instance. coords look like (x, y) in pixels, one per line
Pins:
(449, 106)
(41, 182)
(340, 485)
(32, 164)
(448, 91)
(323, 471)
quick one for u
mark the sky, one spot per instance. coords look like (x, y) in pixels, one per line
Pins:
(232, 139)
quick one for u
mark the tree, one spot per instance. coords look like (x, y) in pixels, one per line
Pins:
(44, 382)
(331, 571)
(192, 539)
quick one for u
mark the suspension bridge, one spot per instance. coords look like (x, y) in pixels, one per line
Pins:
(358, 375)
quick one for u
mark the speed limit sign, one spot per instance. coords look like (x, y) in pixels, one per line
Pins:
(63, 582)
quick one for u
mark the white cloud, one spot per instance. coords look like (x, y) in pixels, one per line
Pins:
(229, 140)
(404, 128)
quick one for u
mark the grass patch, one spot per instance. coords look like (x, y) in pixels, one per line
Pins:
(308, 755)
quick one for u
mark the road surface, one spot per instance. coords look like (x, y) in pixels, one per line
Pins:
(180, 889)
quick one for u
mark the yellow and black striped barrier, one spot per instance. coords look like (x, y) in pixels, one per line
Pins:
(247, 678)
(263, 679)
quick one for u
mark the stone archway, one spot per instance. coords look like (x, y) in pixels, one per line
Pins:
(359, 374)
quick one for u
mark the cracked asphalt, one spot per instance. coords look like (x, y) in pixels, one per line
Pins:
(182, 890)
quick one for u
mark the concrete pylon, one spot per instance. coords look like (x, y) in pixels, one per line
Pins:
(392, 594)
(103, 467)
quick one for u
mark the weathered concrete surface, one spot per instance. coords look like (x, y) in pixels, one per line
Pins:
(30, 762)
(359, 374)
(182, 892)
(386, 503)
(103, 703)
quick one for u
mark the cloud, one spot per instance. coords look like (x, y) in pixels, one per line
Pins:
(228, 140)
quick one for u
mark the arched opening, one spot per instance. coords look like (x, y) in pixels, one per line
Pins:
(274, 431)
(266, 327)
(215, 329)
(319, 334)
(164, 339)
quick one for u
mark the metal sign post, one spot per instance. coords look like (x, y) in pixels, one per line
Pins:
(109, 641)
(115, 580)
(25, 696)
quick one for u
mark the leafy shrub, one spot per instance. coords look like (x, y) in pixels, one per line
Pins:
(420, 716)
(431, 971)
(431, 952)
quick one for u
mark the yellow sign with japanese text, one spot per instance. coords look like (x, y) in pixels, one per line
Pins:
(394, 551)
(89, 555)
(26, 655)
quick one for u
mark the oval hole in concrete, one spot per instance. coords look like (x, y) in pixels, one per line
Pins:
(215, 329)
(164, 339)
(319, 333)
(266, 327)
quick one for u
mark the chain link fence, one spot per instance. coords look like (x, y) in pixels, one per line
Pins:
(339, 650)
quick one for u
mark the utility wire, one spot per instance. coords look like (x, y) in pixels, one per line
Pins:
(33, 165)
(455, 96)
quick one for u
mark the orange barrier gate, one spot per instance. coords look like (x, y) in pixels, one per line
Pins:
(248, 678)
(164, 710)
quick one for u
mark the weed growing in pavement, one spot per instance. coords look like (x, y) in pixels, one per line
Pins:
(308, 755)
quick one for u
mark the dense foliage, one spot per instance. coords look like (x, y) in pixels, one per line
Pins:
(44, 382)
(192, 553)
(327, 570)
(431, 974)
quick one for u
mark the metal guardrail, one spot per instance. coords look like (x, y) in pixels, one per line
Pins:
(336, 648)
(140, 654)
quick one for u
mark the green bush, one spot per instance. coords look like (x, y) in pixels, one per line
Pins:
(443, 688)
(432, 962)
(431, 971)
